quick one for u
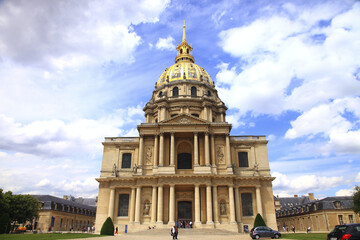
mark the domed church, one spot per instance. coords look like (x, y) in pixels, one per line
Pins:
(185, 168)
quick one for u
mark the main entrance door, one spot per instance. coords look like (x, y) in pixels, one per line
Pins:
(184, 211)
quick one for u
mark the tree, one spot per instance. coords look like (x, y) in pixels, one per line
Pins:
(107, 228)
(17, 208)
(356, 199)
(259, 221)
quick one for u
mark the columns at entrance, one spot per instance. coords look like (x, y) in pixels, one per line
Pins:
(111, 203)
(161, 150)
(237, 204)
(207, 149)
(231, 204)
(258, 200)
(141, 150)
(156, 150)
(208, 205)
(196, 149)
(197, 204)
(160, 206)
(153, 204)
(172, 149)
(137, 204)
(215, 205)
(132, 205)
(172, 205)
(228, 153)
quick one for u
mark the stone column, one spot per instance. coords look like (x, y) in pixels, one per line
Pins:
(222, 119)
(111, 203)
(231, 204)
(138, 204)
(197, 204)
(258, 201)
(132, 205)
(196, 149)
(213, 160)
(210, 114)
(208, 205)
(153, 204)
(172, 149)
(172, 205)
(215, 205)
(163, 113)
(156, 150)
(161, 150)
(228, 152)
(237, 205)
(206, 113)
(160, 209)
(207, 150)
(141, 150)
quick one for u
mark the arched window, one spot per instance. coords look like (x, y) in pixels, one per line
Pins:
(160, 94)
(209, 93)
(180, 50)
(187, 51)
(126, 160)
(175, 92)
(193, 91)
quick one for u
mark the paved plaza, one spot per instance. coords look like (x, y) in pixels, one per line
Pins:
(184, 234)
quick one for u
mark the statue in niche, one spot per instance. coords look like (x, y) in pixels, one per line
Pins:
(222, 208)
(146, 210)
(220, 154)
(148, 155)
(114, 171)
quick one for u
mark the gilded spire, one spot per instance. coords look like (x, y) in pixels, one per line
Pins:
(184, 34)
(184, 51)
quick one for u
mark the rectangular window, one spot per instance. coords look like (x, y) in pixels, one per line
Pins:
(243, 159)
(126, 160)
(341, 222)
(123, 207)
(351, 220)
(247, 206)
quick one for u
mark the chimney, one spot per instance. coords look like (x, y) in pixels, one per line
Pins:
(311, 196)
(295, 195)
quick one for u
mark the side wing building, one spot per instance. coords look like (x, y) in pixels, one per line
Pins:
(184, 166)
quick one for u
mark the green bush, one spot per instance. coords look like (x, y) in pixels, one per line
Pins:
(259, 221)
(4, 223)
(107, 228)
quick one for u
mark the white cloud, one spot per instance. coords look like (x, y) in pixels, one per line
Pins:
(284, 185)
(345, 192)
(288, 62)
(166, 44)
(357, 179)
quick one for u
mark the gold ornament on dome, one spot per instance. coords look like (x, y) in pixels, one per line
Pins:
(184, 68)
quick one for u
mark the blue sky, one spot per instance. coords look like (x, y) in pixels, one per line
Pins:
(74, 72)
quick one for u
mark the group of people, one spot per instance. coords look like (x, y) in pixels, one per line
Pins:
(286, 229)
(184, 224)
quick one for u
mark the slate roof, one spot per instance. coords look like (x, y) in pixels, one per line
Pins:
(303, 205)
(48, 199)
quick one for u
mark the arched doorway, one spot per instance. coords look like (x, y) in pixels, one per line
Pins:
(185, 211)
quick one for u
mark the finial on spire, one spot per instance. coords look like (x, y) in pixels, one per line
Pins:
(184, 35)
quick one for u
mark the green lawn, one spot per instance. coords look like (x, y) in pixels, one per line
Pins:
(45, 236)
(305, 236)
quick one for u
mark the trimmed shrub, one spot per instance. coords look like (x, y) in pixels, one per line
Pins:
(107, 228)
(4, 223)
(259, 221)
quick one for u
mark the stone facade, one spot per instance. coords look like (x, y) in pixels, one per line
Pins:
(185, 166)
(61, 215)
(320, 215)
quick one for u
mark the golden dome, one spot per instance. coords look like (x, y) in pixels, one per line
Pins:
(184, 67)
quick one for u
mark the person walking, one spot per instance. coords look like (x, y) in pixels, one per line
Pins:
(174, 232)
(116, 230)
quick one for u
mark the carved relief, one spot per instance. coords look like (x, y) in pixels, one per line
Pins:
(184, 120)
(148, 153)
(146, 210)
(220, 155)
(222, 207)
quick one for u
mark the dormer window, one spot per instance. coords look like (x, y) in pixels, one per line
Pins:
(195, 115)
(160, 94)
(337, 204)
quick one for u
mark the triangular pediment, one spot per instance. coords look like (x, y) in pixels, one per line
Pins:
(185, 119)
